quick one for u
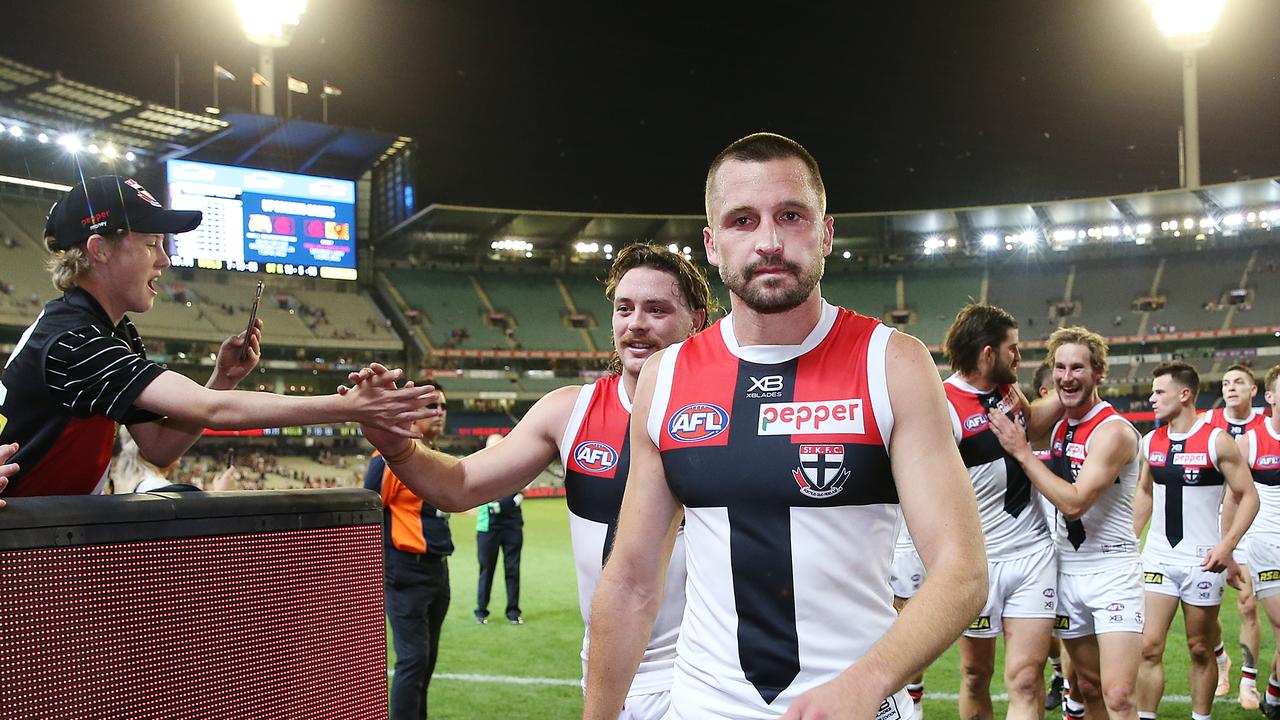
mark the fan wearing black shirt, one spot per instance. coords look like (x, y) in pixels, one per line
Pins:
(81, 369)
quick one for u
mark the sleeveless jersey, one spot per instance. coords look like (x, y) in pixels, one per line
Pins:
(596, 458)
(1011, 519)
(1217, 417)
(779, 454)
(1186, 488)
(1103, 536)
(1264, 463)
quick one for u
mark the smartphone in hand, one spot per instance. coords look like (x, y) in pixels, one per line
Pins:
(253, 316)
(231, 457)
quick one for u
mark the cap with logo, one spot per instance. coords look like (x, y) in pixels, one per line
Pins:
(110, 203)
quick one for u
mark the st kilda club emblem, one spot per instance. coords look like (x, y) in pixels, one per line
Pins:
(822, 472)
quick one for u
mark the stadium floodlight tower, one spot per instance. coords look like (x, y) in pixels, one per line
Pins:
(269, 24)
(1186, 25)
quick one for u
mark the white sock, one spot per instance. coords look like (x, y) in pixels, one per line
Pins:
(1147, 716)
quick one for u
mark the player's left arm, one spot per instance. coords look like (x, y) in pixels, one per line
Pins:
(942, 514)
(1238, 508)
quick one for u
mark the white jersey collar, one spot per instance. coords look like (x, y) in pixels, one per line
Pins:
(774, 354)
(1183, 436)
(1092, 412)
(622, 394)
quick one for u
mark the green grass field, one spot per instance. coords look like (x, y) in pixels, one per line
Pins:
(547, 645)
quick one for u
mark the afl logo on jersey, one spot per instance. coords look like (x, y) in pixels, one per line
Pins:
(595, 457)
(1268, 461)
(975, 421)
(697, 422)
(1156, 458)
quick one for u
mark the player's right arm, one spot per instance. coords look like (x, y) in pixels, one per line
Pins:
(1143, 499)
(1112, 446)
(457, 484)
(630, 590)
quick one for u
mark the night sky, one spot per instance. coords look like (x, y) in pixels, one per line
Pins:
(588, 106)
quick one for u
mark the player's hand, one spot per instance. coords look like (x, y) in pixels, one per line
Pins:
(7, 469)
(1218, 559)
(380, 405)
(1012, 437)
(1235, 578)
(230, 369)
(834, 700)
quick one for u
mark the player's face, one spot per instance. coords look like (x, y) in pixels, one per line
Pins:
(1073, 374)
(1238, 390)
(1007, 360)
(649, 313)
(432, 427)
(768, 234)
(134, 264)
(1166, 398)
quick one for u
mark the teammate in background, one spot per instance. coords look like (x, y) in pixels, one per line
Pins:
(1260, 447)
(1237, 416)
(1186, 464)
(906, 574)
(1022, 568)
(1059, 692)
(81, 369)
(1094, 461)
(658, 298)
(416, 545)
(788, 436)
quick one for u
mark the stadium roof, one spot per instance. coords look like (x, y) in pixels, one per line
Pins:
(451, 229)
(265, 141)
(47, 109)
(41, 102)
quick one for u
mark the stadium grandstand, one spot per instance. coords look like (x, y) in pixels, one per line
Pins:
(507, 303)
(504, 305)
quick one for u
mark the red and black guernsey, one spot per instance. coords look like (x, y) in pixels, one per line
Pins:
(1175, 464)
(71, 378)
(1067, 456)
(727, 440)
(598, 458)
(1264, 460)
(1217, 417)
(979, 446)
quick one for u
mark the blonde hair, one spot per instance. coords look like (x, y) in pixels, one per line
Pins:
(66, 267)
(1080, 335)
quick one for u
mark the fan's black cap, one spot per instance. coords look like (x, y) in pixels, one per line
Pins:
(107, 204)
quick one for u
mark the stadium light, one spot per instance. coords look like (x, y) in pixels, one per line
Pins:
(847, 254)
(269, 24)
(111, 152)
(15, 130)
(673, 248)
(1144, 228)
(130, 156)
(43, 138)
(989, 240)
(1186, 25)
(931, 244)
(608, 248)
(70, 142)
